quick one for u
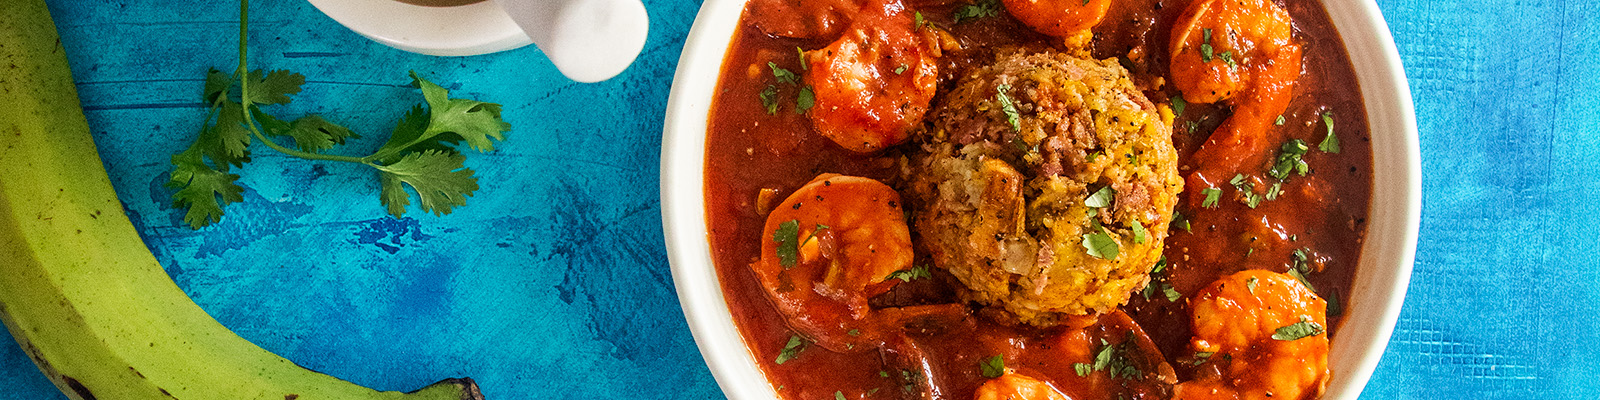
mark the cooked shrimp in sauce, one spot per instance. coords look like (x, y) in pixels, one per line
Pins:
(874, 83)
(1258, 335)
(828, 248)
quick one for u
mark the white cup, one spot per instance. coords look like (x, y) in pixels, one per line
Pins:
(587, 40)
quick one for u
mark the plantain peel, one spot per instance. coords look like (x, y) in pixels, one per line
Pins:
(79, 290)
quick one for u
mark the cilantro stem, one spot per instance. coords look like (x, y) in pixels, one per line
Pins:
(244, 98)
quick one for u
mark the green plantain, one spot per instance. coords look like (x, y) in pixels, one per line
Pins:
(79, 290)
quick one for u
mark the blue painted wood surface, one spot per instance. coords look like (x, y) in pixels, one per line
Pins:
(553, 282)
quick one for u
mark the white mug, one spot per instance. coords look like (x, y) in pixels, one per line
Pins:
(587, 40)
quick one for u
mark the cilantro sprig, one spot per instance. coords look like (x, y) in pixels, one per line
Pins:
(420, 153)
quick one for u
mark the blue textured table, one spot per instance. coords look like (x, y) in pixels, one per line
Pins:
(553, 282)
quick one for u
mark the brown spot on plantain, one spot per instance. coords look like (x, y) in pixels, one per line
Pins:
(291, 396)
(78, 388)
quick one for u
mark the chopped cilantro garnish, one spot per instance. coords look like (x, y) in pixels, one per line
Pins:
(908, 275)
(854, 332)
(1306, 327)
(883, 374)
(1205, 46)
(788, 237)
(1227, 56)
(1178, 105)
(1330, 143)
(1212, 196)
(1082, 369)
(1247, 190)
(1180, 221)
(805, 66)
(1251, 284)
(981, 9)
(791, 349)
(920, 21)
(805, 100)
(993, 367)
(783, 75)
(1101, 198)
(1334, 308)
(900, 69)
(1291, 158)
(1300, 267)
(1114, 360)
(838, 395)
(1172, 293)
(1100, 244)
(1140, 235)
(769, 99)
(1012, 117)
(1280, 121)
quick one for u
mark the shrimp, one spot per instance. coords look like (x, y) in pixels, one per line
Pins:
(1243, 52)
(873, 85)
(1015, 386)
(1259, 335)
(828, 248)
(1059, 18)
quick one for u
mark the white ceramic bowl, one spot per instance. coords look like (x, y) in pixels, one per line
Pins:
(465, 30)
(1381, 277)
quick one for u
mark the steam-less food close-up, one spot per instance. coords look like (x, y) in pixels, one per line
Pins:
(1038, 199)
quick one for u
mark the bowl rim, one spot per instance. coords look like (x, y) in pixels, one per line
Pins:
(1382, 277)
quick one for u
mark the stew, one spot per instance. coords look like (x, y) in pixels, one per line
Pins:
(1042, 199)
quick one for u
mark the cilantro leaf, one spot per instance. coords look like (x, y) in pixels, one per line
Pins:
(788, 237)
(217, 85)
(993, 367)
(439, 178)
(202, 189)
(980, 9)
(474, 121)
(407, 137)
(1010, 108)
(769, 99)
(1100, 244)
(1178, 105)
(838, 395)
(1212, 196)
(418, 154)
(805, 100)
(311, 133)
(274, 87)
(791, 349)
(1082, 369)
(228, 141)
(1140, 235)
(917, 272)
(1291, 158)
(783, 75)
(1101, 198)
(1296, 331)
(1329, 143)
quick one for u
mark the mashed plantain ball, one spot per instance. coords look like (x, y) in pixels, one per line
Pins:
(1045, 184)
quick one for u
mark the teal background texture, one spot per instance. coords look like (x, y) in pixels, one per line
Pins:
(553, 282)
